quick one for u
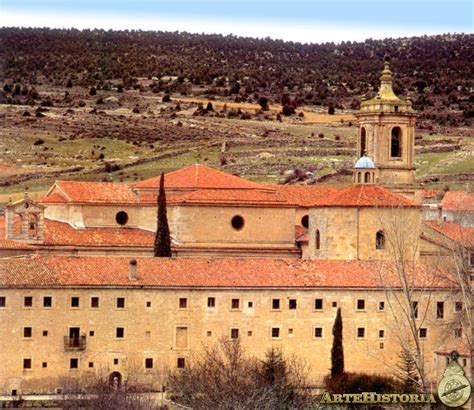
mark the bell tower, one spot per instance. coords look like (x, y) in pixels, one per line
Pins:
(387, 133)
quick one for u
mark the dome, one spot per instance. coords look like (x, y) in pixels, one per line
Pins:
(364, 162)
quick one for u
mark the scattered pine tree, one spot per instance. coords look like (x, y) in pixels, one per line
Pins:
(162, 238)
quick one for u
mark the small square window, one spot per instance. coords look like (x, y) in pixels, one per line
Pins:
(119, 332)
(116, 362)
(94, 302)
(318, 332)
(234, 333)
(3, 301)
(28, 301)
(360, 332)
(149, 363)
(458, 307)
(334, 304)
(250, 304)
(75, 301)
(91, 333)
(183, 303)
(275, 304)
(26, 363)
(27, 332)
(148, 333)
(249, 333)
(381, 345)
(209, 333)
(44, 365)
(47, 301)
(292, 304)
(275, 332)
(360, 304)
(148, 304)
(91, 365)
(423, 333)
(45, 333)
(290, 331)
(458, 332)
(235, 304)
(120, 303)
(318, 304)
(74, 363)
(211, 302)
(381, 333)
(381, 305)
(181, 363)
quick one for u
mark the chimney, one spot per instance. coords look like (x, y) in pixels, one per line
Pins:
(132, 269)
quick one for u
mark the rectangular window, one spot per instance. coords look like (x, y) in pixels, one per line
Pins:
(75, 301)
(27, 363)
(334, 304)
(209, 333)
(45, 333)
(27, 332)
(458, 332)
(292, 304)
(94, 302)
(275, 332)
(458, 307)
(318, 332)
(381, 305)
(211, 302)
(183, 303)
(116, 362)
(91, 365)
(149, 363)
(249, 333)
(91, 333)
(181, 337)
(381, 345)
(120, 303)
(234, 333)
(47, 301)
(44, 365)
(119, 332)
(423, 333)
(415, 309)
(235, 304)
(381, 334)
(439, 310)
(275, 304)
(360, 332)
(318, 304)
(290, 331)
(74, 363)
(3, 301)
(148, 303)
(181, 363)
(360, 304)
(28, 301)
(250, 304)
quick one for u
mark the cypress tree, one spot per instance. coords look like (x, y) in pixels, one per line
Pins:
(162, 238)
(337, 351)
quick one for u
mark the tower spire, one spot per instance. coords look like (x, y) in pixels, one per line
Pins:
(386, 79)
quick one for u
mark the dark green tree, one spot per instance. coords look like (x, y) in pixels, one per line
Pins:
(162, 238)
(408, 374)
(337, 351)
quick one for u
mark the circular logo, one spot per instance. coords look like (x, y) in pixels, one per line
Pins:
(454, 390)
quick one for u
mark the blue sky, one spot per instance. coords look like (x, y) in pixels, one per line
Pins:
(298, 20)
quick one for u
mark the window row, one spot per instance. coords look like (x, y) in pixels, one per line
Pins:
(277, 304)
(74, 363)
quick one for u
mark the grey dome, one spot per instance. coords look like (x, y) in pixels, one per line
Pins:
(364, 162)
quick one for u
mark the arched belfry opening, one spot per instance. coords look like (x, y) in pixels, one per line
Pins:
(396, 142)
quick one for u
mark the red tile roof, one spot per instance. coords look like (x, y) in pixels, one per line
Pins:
(90, 192)
(235, 197)
(458, 201)
(51, 271)
(53, 198)
(361, 195)
(58, 233)
(301, 234)
(200, 177)
(454, 231)
(306, 196)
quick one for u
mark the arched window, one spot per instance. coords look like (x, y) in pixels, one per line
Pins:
(318, 240)
(380, 240)
(367, 177)
(305, 221)
(359, 177)
(396, 143)
(363, 142)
